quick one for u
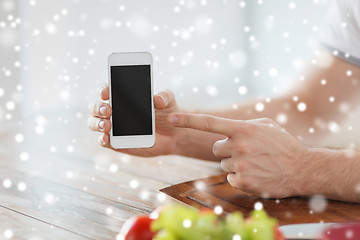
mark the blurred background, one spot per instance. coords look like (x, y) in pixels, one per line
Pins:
(209, 53)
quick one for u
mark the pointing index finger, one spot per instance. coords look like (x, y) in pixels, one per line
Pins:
(204, 122)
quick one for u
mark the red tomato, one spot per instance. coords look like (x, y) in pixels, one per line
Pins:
(137, 228)
(205, 211)
(278, 234)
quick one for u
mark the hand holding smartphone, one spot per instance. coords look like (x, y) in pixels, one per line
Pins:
(131, 100)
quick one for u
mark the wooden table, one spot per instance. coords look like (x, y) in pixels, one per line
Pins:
(62, 185)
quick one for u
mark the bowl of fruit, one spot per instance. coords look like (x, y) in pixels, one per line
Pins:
(178, 222)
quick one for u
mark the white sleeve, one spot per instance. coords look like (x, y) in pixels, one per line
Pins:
(340, 32)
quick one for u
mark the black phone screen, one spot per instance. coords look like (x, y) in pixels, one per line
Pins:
(131, 100)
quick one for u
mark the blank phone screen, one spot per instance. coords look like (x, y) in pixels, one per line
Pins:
(131, 100)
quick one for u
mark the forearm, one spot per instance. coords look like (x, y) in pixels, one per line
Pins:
(320, 99)
(321, 116)
(331, 173)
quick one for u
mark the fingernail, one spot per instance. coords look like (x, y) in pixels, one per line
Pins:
(101, 124)
(173, 119)
(164, 99)
(102, 110)
(101, 90)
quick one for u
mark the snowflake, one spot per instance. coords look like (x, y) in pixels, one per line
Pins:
(49, 198)
(113, 168)
(258, 206)
(109, 210)
(64, 95)
(259, 107)
(236, 237)
(69, 174)
(333, 127)
(187, 223)
(273, 72)
(70, 148)
(281, 118)
(144, 195)
(318, 203)
(21, 186)
(122, 8)
(64, 12)
(200, 185)
(171, 59)
(19, 138)
(301, 106)
(212, 90)
(51, 28)
(39, 130)
(24, 156)
(161, 197)
(292, 5)
(7, 183)
(134, 184)
(8, 233)
(218, 210)
(349, 234)
(242, 90)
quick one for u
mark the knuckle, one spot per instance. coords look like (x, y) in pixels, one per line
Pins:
(186, 120)
(223, 164)
(247, 129)
(241, 167)
(209, 123)
(169, 93)
(89, 122)
(107, 126)
(266, 120)
(93, 123)
(237, 181)
(231, 179)
(244, 147)
(216, 148)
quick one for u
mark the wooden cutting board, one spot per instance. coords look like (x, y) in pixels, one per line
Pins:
(213, 191)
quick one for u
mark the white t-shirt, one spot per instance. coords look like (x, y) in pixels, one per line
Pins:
(341, 29)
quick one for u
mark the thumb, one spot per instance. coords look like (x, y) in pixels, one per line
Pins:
(164, 99)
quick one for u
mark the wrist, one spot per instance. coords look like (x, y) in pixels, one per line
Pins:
(321, 173)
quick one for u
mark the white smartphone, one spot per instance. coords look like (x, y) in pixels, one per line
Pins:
(131, 100)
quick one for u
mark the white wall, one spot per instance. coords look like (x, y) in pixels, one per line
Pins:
(207, 36)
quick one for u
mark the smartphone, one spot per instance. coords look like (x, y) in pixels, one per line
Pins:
(131, 100)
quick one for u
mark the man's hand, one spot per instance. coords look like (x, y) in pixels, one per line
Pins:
(261, 158)
(166, 140)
